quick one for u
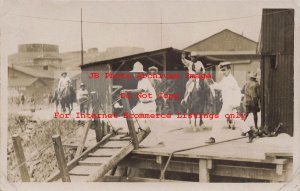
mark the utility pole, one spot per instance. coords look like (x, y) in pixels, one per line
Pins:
(161, 29)
(81, 37)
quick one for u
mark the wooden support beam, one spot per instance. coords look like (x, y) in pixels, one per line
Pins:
(164, 62)
(174, 166)
(115, 159)
(83, 139)
(279, 169)
(20, 158)
(61, 160)
(281, 155)
(109, 178)
(119, 67)
(247, 172)
(117, 88)
(130, 123)
(108, 127)
(203, 171)
(209, 164)
(98, 130)
(103, 127)
(159, 159)
(155, 61)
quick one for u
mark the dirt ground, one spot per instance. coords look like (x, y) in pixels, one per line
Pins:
(37, 143)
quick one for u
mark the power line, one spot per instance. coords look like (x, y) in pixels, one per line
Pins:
(149, 23)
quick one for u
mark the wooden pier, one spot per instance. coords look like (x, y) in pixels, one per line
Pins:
(265, 160)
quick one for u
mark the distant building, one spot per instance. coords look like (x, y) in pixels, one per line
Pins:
(36, 55)
(35, 68)
(29, 82)
(230, 46)
(73, 59)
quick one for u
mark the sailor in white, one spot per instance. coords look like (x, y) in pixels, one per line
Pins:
(231, 95)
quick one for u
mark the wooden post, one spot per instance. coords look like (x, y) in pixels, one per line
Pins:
(130, 123)
(203, 171)
(61, 160)
(164, 62)
(82, 142)
(98, 130)
(108, 127)
(20, 158)
(162, 161)
(104, 128)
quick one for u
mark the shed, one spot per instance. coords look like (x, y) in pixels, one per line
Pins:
(167, 61)
(277, 66)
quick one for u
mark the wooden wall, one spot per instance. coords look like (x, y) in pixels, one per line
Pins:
(101, 85)
(277, 49)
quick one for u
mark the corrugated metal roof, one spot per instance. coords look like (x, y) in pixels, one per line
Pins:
(219, 33)
(129, 57)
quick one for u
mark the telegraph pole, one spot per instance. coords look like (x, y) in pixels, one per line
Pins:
(81, 37)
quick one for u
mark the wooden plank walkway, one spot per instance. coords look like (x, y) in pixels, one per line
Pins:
(94, 163)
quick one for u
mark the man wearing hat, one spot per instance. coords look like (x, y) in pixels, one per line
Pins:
(63, 83)
(147, 104)
(192, 66)
(83, 96)
(251, 91)
(231, 95)
(155, 81)
(194, 59)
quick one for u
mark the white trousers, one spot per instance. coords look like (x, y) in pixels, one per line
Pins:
(148, 108)
(222, 121)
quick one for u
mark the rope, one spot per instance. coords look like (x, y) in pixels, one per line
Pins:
(150, 23)
(191, 148)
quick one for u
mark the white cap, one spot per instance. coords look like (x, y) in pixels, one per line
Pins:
(193, 53)
(222, 64)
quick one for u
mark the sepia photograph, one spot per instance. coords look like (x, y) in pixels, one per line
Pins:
(150, 91)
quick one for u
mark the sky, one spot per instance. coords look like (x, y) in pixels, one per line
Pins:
(110, 23)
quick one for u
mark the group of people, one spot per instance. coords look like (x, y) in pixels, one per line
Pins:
(231, 95)
(82, 94)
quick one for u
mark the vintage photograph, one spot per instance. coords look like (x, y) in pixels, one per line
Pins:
(181, 91)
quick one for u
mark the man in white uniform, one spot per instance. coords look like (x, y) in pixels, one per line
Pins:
(231, 95)
(147, 104)
(64, 81)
